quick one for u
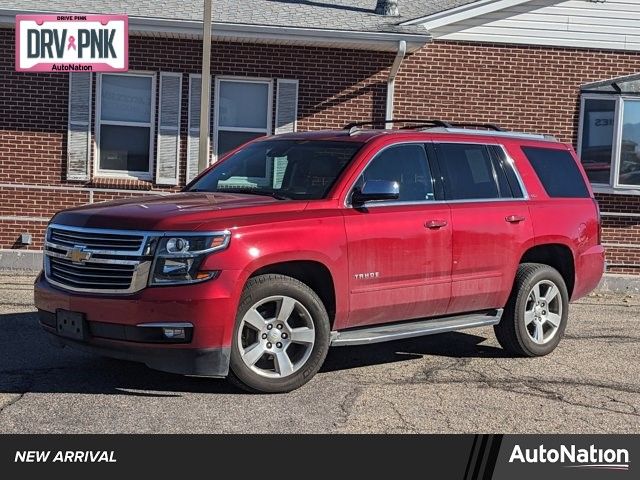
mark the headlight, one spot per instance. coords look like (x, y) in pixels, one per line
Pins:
(178, 257)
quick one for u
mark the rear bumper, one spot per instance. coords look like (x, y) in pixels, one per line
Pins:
(589, 270)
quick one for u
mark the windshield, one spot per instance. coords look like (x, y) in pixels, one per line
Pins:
(284, 169)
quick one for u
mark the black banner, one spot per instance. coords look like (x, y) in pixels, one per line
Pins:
(459, 457)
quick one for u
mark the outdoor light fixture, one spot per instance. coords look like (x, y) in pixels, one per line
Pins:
(25, 238)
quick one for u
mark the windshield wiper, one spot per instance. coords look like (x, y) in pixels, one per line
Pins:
(255, 191)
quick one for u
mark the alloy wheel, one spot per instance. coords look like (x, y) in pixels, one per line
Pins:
(276, 336)
(543, 312)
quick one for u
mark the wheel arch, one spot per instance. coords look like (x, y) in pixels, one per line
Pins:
(556, 255)
(313, 273)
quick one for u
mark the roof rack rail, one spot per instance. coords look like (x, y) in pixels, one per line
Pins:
(451, 127)
(433, 123)
(488, 126)
(503, 133)
(416, 123)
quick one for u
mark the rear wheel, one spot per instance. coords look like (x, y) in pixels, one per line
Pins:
(281, 335)
(535, 316)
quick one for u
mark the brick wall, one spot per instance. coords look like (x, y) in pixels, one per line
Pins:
(534, 89)
(523, 88)
(336, 86)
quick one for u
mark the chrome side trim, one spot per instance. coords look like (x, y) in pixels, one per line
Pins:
(166, 325)
(398, 331)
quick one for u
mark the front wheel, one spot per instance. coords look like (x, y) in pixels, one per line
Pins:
(536, 314)
(281, 335)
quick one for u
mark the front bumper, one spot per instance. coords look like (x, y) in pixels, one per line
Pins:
(206, 362)
(208, 306)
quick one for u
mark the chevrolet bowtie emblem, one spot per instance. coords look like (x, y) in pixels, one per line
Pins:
(78, 255)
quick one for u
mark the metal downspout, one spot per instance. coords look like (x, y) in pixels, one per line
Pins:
(391, 81)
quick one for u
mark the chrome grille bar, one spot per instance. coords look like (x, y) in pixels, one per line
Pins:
(107, 261)
(95, 239)
(103, 274)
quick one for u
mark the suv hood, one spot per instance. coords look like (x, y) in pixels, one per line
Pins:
(182, 211)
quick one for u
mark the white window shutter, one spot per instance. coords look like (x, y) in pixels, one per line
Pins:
(168, 150)
(79, 126)
(286, 106)
(193, 139)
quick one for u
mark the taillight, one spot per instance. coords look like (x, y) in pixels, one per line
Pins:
(599, 221)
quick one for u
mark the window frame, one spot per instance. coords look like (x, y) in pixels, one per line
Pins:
(216, 114)
(614, 186)
(433, 162)
(506, 162)
(129, 174)
(433, 169)
(619, 131)
(328, 191)
(580, 190)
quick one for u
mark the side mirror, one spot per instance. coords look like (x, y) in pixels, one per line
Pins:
(376, 190)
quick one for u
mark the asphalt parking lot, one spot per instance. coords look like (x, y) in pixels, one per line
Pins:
(457, 382)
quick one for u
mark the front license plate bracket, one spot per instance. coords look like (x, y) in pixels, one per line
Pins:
(70, 324)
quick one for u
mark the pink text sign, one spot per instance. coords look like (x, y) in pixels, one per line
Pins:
(72, 43)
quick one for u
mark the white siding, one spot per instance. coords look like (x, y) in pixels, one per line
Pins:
(614, 24)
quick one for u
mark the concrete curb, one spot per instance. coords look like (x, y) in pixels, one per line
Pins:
(26, 260)
(617, 283)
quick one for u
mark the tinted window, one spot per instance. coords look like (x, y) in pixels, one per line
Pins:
(557, 171)
(405, 164)
(470, 172)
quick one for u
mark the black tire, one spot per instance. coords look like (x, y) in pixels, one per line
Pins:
(512, 332)
(263, 287)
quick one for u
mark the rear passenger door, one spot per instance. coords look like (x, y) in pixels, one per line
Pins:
(490, 221)
(399, 250)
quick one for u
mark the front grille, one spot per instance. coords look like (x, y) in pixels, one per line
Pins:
(104, 276)
(96, 260)
(96, 240)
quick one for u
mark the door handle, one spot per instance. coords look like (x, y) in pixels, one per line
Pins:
(435, 224)
(515, 218)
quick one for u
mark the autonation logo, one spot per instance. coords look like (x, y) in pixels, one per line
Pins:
(573, 457)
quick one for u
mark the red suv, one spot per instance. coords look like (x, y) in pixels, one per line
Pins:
(298, 242)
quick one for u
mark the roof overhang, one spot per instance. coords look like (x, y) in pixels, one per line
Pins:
(463, 12)
(626, 85)
(237, 32)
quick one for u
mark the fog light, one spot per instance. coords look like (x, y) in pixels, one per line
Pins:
(174, 333)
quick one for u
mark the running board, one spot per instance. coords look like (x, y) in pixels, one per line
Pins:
(418, 328)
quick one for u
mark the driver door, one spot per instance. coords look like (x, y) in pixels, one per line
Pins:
(399, 250)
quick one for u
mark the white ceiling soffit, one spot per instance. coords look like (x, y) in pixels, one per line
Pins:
(156, 27)
(463, 12)
(280, 35)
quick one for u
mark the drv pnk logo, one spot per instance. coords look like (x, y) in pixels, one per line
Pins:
(52, 43)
